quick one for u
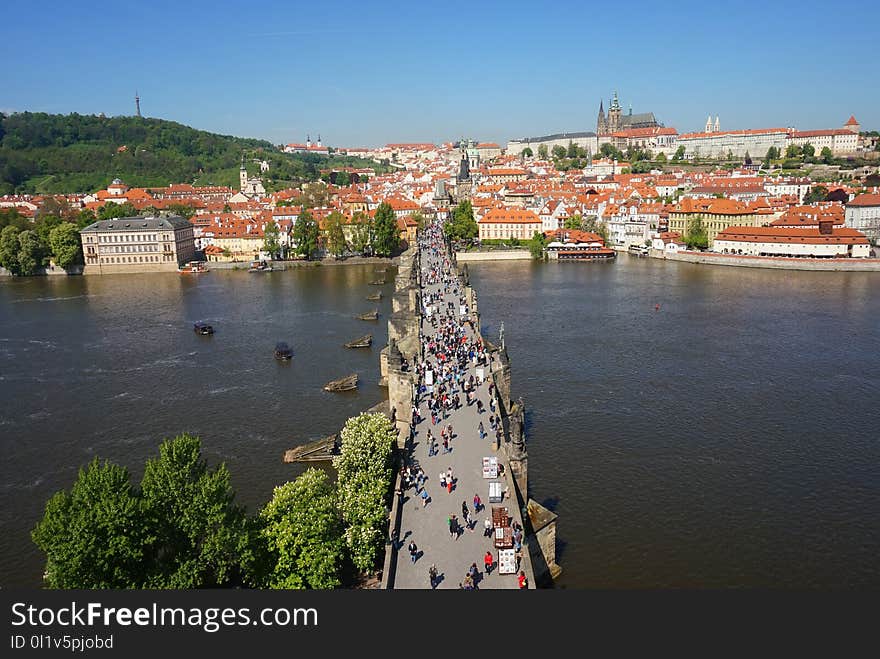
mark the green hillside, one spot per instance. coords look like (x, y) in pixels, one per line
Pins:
(54, 153)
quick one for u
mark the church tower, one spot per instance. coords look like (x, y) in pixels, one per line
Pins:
(717, 124)
(242, 177)
(600, 122)
(614, 115)
(709, 124)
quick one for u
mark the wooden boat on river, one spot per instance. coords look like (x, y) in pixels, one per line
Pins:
(320, 450)
(283, 352)
(364, 342)
(370, 315)
(375, 296)
(378, 282)
(347, 383)
(202, 328)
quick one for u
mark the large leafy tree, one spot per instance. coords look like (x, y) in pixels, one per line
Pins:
(31, 252)
(305, 235)
(527, 152)
(537, 245)
(303, 530)
(9, 248)
(387, 235)
(696, 236)
(826, 155)
(364, 470)
(66, 245)
(362, 232)
(196, 536)
(93, 535)
(542, 152)
(816, 193)
(271, 244)
(335, 234)
(462, 225)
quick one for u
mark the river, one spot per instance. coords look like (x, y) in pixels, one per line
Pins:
(727, 439)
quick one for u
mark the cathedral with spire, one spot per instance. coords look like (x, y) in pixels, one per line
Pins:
(616, 120)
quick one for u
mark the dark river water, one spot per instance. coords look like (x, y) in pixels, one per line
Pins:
(730, 439)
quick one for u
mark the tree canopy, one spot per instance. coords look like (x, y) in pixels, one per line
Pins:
(303, 530)
(462, 225)
(364, 478)
(305, 235)
(386, 234)
(48, 153)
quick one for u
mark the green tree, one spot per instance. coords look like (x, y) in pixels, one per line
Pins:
(364, 478)
(527, 152)
(66, 245)
(462, 225)
(31, 252)
(303, 529)
(271, 244)
(305, 235)
(826, 155)
(420, 220)
(772, 154)
(558, 152)
(85, 218)
(679, 153)
(573, 222)
(93, 535)
(11, 217)
(609, 151)
(9, 247)
(343, 179)
(336, 244)
(572, 151)
(387, 234)
(661, 157)
(542, 152)
(816, 193)
(183, 210)
(362, 232)
(537, 245)
(196, 537)
(809, 152)
(111, 210)
(696, 236)
(793, 151)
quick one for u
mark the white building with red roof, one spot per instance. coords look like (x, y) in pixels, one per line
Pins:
(863, 213)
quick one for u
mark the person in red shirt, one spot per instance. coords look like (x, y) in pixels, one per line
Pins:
(523, 581)
(488, 561)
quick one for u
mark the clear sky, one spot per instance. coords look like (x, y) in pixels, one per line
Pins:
(366, 73)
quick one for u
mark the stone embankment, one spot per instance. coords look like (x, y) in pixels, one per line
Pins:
(495, 255)
(779, 263)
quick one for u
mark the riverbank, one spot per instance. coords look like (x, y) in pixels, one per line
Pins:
(231, 265)
(774, 262)
(495, 255)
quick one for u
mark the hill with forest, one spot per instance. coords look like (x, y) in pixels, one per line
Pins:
(57, 153)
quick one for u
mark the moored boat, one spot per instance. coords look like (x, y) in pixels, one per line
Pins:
(260, 266)
(378, 282)
(370, 315)
(203, 328)
(363, 342)
(375, 296)
(283, 352)
(193, 268)
(347, 383)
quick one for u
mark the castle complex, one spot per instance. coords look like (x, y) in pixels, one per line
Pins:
(616, 120)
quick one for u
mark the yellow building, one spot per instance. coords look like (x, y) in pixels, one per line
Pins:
(507, 223)
(137, 244)
(716, 215)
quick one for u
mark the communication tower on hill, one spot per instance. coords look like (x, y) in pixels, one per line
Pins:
(137, 104)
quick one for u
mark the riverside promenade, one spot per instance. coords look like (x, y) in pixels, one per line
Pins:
(427, 524)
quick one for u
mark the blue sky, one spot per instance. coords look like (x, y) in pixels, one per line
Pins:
(365, 73)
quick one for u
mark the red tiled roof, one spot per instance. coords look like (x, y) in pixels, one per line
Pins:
(839, 236)
(851, 121)
(510, 216)
(866, 200)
